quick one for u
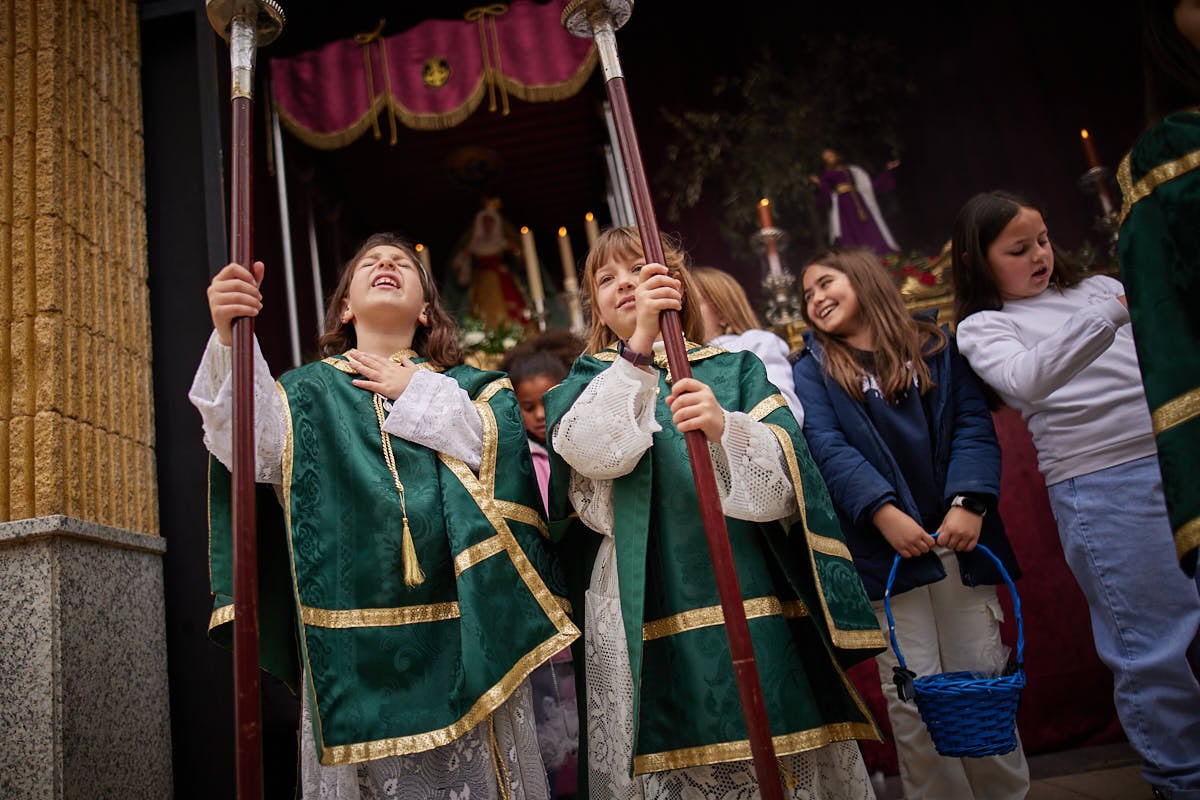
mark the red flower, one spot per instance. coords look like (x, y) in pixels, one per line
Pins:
(928, 278)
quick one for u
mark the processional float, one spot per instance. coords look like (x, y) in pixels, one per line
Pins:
(246, 25)
(599, 20)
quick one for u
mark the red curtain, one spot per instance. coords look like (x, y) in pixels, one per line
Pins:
(431, 76)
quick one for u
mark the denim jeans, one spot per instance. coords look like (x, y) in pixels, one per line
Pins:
(1145, 613)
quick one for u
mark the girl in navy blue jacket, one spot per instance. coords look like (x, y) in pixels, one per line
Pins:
(901, 432)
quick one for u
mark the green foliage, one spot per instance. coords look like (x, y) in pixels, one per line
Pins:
(765, 131)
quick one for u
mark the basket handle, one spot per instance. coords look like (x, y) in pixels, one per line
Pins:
(887, 605)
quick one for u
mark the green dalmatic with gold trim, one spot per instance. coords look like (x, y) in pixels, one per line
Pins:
(1159, 251)
(395, 667)
(808, 613)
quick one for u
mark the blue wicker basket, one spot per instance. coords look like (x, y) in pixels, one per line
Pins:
(967, 715)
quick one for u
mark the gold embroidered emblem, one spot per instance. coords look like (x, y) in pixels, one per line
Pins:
(435, 73)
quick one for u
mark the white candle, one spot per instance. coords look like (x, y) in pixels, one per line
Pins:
(570, 283)
(593, 230)
(568, 260)
(533, 271)
(423, 254)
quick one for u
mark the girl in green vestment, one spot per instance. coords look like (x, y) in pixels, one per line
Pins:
(663, 717)
(411, 517)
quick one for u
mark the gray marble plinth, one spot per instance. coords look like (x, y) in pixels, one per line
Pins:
(83, 662)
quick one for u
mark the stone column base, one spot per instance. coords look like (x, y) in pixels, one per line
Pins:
(83, 662)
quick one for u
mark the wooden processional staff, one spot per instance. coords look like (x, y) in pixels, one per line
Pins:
(246, 25)
(599, 19)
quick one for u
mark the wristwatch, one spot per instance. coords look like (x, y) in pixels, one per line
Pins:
(633, 356)
(970, 504)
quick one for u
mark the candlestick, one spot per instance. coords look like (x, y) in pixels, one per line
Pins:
(423, 254)
(570, 283)
(1089, 149)
(533, 271)
(767, 223)
(593, 230)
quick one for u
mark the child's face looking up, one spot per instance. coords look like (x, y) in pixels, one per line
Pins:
(529, 398)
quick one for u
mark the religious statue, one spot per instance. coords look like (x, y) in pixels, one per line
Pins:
(485, 261)
(854, 216)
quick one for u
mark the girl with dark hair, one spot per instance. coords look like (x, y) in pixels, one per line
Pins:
(535, 366)
(1060, 351)
(663, 718)
(1159, 252)
(902, 435)
(410, 518)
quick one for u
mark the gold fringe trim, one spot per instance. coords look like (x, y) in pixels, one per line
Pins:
(545, 93)
(1176, 411)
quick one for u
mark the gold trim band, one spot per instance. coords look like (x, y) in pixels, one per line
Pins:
(765, 407)
(1187, 537)
(378, 617)
(711, 616)
(476, 554)
(786, 745)
(1132, 193)
(221, 616)
(1176, 411)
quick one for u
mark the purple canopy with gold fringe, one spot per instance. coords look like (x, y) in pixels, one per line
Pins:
(431, 76)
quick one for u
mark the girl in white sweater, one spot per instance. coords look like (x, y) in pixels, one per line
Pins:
(1058, 348)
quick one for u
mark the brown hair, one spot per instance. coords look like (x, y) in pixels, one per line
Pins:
(901, 342)
(547, 354)
(979, 222)
(727, 297)
(437, 342)
(626, 242)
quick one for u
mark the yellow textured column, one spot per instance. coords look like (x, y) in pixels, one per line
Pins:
(76, 405)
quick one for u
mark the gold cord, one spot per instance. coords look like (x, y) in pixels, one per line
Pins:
(413, 575)
(503, 781)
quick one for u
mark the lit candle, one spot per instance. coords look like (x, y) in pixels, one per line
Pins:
(533, 271)
(767, 223)
(764, 214)
(1093, 159)
(423, 254)
(593, 230)
(570, 283)
(1089, 149)
(568, 261)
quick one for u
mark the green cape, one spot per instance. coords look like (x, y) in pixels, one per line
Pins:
(1159, 251)
(808, 613)
(395, 669)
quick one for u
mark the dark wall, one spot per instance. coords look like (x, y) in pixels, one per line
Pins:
(186, 243)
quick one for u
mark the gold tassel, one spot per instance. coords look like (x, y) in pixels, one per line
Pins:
(413, 576)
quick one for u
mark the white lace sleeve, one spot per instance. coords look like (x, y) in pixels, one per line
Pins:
(212, 395)
(752, 478)
(436, 412)
(603, 435)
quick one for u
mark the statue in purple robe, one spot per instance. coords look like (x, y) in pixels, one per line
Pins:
(854, 217)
